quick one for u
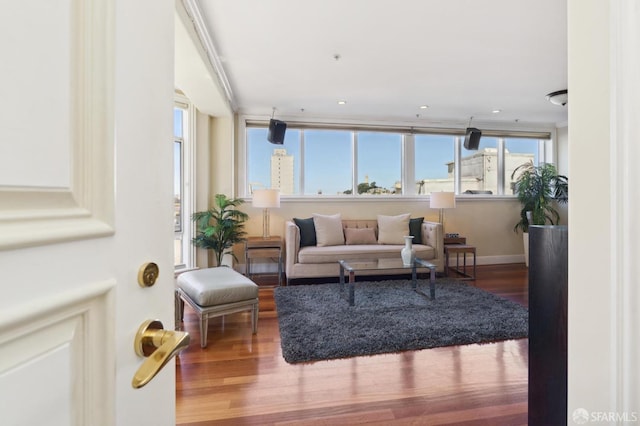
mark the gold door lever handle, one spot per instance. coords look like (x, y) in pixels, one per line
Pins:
(159, 346)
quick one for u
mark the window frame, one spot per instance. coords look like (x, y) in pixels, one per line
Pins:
(188, 182)
(545, 135)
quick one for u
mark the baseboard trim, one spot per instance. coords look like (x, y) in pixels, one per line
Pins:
(500, 260)
(272, 268)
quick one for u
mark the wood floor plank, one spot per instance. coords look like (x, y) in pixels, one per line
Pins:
(241, 378)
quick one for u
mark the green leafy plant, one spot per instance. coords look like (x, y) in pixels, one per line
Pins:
(538, 188)
(220, 227)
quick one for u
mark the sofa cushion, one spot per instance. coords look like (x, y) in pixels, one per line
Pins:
(355, 236)
(328, 229)
(392, 229)
(310, 255)
(415, 229)
(307, 231)
(361, 223)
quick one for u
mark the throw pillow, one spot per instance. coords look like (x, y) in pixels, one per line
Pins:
(415, 229)
(355, 236)
(392, 229)
(328, 229)
(307, 231)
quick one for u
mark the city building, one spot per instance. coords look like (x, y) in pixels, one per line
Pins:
(282, 171)
(478, 173)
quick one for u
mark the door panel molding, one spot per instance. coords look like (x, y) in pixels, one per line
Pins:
(85, 209)
(72, 330)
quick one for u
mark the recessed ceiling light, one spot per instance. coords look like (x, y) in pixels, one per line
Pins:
(342, 102)
(424, 106)
(496, 111)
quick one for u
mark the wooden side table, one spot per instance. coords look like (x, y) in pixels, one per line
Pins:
(459, 247)
(263, 248)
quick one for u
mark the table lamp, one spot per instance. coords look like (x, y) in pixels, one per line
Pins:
(266, 199)
(442, 200)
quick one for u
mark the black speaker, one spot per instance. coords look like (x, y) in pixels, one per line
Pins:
(472, 138)
(276, 131)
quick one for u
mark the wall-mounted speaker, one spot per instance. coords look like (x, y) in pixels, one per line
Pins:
(472, 138)
(276, 131)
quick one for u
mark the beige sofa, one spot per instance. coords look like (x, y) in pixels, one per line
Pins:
(315, 261)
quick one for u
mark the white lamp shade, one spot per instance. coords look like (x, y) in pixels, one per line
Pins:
(266, 198)
(442, 200)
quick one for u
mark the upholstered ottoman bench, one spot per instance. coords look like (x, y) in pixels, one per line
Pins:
(215, 292)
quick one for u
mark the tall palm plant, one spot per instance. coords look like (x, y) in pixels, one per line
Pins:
(538, 188)
(220, 227)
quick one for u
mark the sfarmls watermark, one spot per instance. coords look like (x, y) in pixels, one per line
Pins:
(581, 416)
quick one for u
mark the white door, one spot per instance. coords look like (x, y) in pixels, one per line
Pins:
(86, 97)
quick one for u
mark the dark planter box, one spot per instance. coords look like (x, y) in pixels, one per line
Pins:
(548, 277)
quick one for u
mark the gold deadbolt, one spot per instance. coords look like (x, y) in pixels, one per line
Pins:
(148, 274)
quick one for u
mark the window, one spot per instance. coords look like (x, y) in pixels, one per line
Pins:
(434, 163)
(178, 141)
(518, 152)
(273, 166)
(379, 163)
(182, 188)
(343, 162)
(327, 162)
(479, 168)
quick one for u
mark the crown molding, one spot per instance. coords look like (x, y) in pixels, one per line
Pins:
(193, 11)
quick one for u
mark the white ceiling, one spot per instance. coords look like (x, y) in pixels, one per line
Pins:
(462, 58)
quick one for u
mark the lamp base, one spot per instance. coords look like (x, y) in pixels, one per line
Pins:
(441, 219)
(265, 224)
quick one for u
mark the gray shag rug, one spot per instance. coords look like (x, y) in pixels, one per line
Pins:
(317, 323)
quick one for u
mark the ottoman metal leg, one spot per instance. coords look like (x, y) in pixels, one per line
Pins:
(204, 327)
(254, 318)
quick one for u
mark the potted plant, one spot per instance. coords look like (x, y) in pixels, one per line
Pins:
(538, 189)
(220, 227)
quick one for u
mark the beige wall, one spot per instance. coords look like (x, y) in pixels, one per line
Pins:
(214, 166)
(202, 176)
(223, 156)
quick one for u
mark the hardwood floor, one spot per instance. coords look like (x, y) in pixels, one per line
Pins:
(242, 378)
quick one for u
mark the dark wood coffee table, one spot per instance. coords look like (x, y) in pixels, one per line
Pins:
(360, 265)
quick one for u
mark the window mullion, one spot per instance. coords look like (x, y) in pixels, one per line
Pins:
(190, 187)
(301, 163)
(501, 166)
(408, 169)
(457, 165)
(354, 163)
(543, 146)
